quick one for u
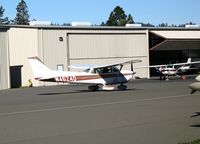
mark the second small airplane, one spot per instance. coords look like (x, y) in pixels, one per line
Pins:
(175, 69)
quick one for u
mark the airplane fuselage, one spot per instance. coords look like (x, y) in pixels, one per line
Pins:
(168, 71)
(83, 77)
(172, 70)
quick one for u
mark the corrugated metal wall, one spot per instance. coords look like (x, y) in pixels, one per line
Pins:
(66, 47)
(85, 46)
(54, 48)
(4, 63)
(105, 48)
(23, 43)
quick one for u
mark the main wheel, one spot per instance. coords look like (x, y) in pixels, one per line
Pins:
(122, 87)
(93, 88)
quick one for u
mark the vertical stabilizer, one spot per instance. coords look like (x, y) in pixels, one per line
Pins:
(189, 60)
(40, 71)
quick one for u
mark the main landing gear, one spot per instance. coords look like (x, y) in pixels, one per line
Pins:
(93, 88)
(122, 87)
(106, 87)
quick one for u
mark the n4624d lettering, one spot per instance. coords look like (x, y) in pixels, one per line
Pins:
(66, 79)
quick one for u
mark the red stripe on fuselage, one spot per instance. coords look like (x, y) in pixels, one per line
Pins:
(91, 77)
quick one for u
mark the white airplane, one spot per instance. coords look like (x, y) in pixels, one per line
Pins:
(195, 86)
(176, 69)
(105, 75)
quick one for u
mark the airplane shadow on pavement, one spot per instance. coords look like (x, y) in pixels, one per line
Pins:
(197, 114)
(83, 91)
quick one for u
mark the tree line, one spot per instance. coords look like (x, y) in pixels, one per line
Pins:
(21, 18)
(117, 17)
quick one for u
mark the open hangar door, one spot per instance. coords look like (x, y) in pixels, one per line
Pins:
(174, 47)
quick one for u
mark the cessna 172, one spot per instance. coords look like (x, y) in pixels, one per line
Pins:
(105, 75)
(176, 69)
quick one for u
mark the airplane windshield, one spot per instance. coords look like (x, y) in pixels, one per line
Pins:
(108, 70)
(86, 70)
(103, 70)
(169, 66)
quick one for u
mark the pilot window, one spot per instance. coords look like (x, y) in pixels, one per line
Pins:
(87, 70)
(109, 69)
(169, 66)
(115, 69)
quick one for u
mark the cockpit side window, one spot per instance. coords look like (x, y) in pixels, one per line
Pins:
(169, 66)
(109, 69)
(104, 70)
(115, 69)
(86, 70)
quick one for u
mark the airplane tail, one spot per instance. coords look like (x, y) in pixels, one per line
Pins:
(40, 71)
(189, 60)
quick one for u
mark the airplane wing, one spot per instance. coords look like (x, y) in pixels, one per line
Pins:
(81, 66)
(186, 63)
(117, 64)
(152, 66)
(103, 66)
(163, 65)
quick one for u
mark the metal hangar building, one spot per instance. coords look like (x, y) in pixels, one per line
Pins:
(58, 47)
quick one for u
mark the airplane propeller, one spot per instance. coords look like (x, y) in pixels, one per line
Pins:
(132, 67)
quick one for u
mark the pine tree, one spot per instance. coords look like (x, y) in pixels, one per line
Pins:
(3, 20)
(118, 18)
(130, 19)
(22, 15)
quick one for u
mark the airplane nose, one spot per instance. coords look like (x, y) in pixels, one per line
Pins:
(198, 78)
(195, 87)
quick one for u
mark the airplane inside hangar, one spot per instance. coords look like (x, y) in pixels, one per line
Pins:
(173, 46)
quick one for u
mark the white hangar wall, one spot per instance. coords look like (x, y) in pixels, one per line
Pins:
(23, 43)
(53, 51)
(68, 47)
(112, 47)
(4, 61)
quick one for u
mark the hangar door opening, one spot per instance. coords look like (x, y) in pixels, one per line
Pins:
(177, 49)
(105, 48)
(15, 76)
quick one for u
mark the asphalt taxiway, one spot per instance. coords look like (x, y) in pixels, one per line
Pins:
(150, 111)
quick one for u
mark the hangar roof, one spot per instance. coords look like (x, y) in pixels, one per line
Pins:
(104, 27)
(177, 34)
(175, 40)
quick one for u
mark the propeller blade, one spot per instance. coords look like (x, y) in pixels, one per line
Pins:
(131, 66)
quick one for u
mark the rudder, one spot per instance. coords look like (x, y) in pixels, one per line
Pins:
(40, 71)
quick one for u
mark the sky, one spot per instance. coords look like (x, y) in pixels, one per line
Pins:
(97, 11)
